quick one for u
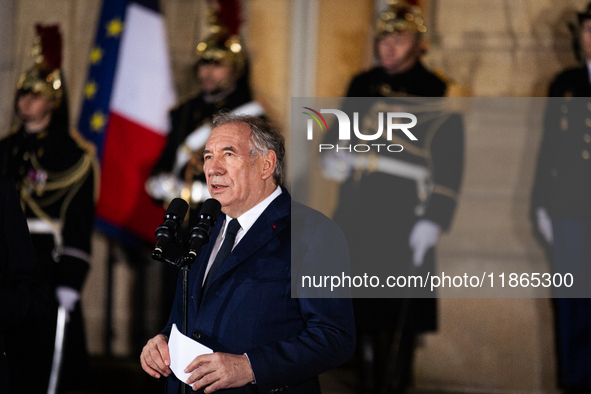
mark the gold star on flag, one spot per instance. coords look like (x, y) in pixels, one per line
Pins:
(97, 122)
(114, 28)
(96, 54)
(90, 90)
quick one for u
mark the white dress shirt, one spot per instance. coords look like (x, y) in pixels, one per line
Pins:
(246, 220)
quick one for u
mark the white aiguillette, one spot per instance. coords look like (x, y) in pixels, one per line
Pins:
(183, 351)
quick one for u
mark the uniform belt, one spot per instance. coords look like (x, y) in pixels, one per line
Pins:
(420, 174)
(53, 227)
(40, 226)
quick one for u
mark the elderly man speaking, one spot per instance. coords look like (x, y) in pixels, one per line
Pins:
(264, 340)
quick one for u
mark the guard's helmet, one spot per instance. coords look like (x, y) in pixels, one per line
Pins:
(223, 45)
(401, 16)
(45, 77)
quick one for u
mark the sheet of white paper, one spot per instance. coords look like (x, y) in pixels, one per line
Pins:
(183, 350)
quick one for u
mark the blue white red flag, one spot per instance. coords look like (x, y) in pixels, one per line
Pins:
(127, 95)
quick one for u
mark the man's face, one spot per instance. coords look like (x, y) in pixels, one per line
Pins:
(586, 39)
(33, 108)
(214, 77)
(234, 178)
(398, 51)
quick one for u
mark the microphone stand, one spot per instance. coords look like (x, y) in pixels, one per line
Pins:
(183, 262)
(185, 265)
(199, 236)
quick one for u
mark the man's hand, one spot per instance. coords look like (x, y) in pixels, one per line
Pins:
(219, 371)
(155, 358)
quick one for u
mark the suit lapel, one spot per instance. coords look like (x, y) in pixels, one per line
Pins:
(197, 284)
(267, 226)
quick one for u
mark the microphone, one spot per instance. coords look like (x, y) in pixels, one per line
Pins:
(210, 211)
(174, 216)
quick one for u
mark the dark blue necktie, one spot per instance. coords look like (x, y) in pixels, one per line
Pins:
(223, 253)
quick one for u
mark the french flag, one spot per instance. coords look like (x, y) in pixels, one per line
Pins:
(127, 95)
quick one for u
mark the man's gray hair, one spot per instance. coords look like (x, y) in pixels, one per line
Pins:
(264, 137)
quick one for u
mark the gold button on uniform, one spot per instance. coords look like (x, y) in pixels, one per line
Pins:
(587, 138)
(589, 106)
(585, 154)
(564, 124)
(588, 122)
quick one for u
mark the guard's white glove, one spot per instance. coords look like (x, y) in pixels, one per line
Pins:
(164, 186)
(67, 298)
(337, 165)
(199, 192)
(544, 224)
(423, 236)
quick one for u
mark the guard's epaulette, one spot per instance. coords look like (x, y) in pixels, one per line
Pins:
(90, 149)
(82, 142)
(453, 89)
(457, 90)
(441, 75)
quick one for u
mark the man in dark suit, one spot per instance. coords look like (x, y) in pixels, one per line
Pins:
(264, 340)
(561, 210)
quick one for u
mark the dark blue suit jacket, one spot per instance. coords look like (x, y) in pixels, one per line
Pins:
(248, 308)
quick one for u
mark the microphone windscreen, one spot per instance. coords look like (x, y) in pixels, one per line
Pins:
(178, 207)
(211, 207)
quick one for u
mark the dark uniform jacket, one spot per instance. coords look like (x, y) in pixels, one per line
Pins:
(55, 178)
(417, 81)
(439, 147)
(390, 204)
(562, 183)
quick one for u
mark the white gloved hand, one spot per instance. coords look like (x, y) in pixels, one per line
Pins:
(67, 297)
(164, 186)
(423, 236)
(337, 165)
(199, 192)
(545, 224)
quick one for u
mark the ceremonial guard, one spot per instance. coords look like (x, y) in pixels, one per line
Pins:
(394, 205)
(54, 171)
(221, 71)
(561, 209)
